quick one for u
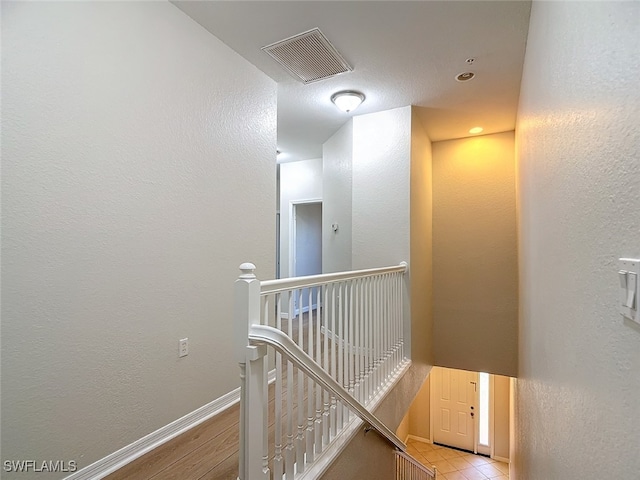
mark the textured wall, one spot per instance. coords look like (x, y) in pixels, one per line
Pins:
(137, 174)
(421, 244)
(299, 181)
(579, 195)
(420, 411)
(403, 429)
(381, 188)
(475, 268)
(501, 419)
(337, 165)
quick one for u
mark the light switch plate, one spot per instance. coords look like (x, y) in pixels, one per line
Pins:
(626, 268)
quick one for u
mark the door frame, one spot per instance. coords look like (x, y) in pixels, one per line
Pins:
(481, 449)
(292, 230)
(432, 402)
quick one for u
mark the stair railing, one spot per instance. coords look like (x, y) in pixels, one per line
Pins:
(408, 468)
(338, 343)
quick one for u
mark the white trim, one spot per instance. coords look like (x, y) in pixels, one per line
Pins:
(500, 459)
(432, 397)
(486, 449)
(118, 459)
(418, 439)
(492, 414)
(292, 230)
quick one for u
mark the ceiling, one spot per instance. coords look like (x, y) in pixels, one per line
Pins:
(402, 52)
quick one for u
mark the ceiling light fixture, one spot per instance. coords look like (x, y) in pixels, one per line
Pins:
(476, 130)
(347, 100)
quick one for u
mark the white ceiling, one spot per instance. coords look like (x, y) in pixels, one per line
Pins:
(403, 53)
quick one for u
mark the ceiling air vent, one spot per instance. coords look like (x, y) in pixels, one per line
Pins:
(309, 56)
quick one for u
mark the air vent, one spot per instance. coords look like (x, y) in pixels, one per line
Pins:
(308, 57)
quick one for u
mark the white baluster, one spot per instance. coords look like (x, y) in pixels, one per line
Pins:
(384, 325)
(369, 343)
(401, 315)
(398, 316)
(334, 344)
(340, 352)
(376, 336)
(325, 412)
(317, 430)
(300, 403)
(278, 461)
(289, 450)
(358, 342)
(309, 435)
(389, 317)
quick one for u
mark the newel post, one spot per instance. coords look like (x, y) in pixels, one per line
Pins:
(253, 441)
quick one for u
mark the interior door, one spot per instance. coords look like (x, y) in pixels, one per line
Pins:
(454, 407)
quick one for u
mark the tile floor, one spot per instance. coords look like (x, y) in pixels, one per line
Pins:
(456, 465)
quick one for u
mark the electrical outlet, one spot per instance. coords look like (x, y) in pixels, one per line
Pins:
(184, 347)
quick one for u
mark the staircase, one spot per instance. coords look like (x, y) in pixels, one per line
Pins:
(336, 345)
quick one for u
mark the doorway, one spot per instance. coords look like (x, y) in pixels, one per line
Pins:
(306, 246)
(486, 428)
(455, 408)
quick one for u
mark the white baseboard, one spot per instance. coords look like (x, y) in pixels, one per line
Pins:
(501, 459)
(128, 454)
(418, 439)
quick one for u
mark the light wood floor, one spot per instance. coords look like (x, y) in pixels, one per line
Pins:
(208, 451)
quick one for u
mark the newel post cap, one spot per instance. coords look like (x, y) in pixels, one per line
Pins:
(247, 270)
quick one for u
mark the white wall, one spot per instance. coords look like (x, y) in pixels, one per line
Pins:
(337, 157)
(381, 188)
(136, 178)
(299, 181)
(578, 149)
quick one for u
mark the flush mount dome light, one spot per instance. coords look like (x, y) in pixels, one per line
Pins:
(476, 130)
(347, 100)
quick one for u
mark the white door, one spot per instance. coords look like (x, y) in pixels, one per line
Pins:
(454, 407)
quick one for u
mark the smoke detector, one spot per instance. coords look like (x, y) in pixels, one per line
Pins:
(308, 57)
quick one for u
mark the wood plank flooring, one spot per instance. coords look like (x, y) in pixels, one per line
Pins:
(208, 451)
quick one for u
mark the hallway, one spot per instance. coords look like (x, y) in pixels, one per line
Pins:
(457, 465)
